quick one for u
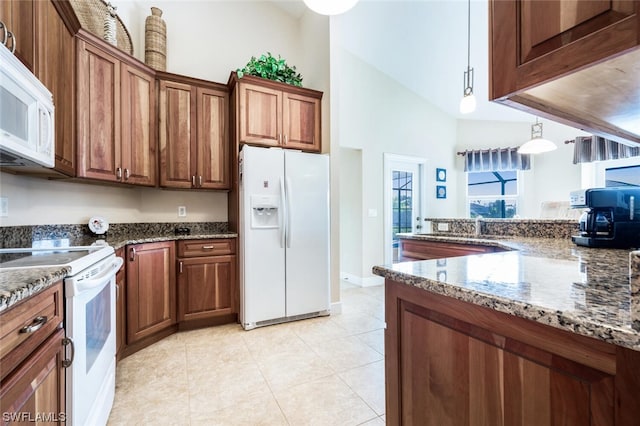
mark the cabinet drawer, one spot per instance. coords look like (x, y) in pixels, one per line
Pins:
(195, 248)
(20, 329)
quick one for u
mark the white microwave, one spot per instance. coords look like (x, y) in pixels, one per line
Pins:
(27, 131)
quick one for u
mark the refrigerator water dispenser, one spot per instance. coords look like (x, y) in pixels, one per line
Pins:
(264, 211)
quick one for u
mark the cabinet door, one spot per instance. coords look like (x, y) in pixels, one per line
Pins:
(260, 115)
(121, 305)
(138, 141)
(445, 370)
(213, 139)
(301, 125)
(19, 18)
(55, 68)
(177, 135)
(98, 113)
(536, 41)
(205, 287)
(36, 388)
(151, 289)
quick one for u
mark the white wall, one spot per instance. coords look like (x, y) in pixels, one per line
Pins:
(36, 201)
(205, 39)
(351, 212)
(552, 176)
(377, 115)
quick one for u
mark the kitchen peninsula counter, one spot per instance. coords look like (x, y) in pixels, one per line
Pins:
(548, 280)
(539, 333)
(19, 284)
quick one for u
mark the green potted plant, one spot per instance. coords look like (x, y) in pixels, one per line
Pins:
(269, 67)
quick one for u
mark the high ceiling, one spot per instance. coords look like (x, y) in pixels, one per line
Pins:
(422, 45)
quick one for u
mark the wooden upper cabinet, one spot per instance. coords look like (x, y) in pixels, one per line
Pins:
(115, 115)
(571, 61)
(193, 133)
(55, 68)
(19, 18)
(212, 160)
(273, 114)
(138, 135)
(98, 121)
(301, 122)
(176, 134)
(260, 115)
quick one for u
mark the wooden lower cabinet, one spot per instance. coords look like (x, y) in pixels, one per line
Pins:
(35, 392)
(32, 386)
(423, 250)
(206, 279)
(151, 289)
(449, 362)
(121, 306)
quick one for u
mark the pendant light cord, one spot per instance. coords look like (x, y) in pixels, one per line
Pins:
(468, 34)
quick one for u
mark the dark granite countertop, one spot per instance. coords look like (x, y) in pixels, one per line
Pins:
(19, 284)
(587, 291)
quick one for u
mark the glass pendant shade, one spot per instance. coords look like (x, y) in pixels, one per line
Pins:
(330, 7)
(537, 144)
(468, 103)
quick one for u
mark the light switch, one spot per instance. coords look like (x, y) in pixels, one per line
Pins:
(373, 213)
(182, 211)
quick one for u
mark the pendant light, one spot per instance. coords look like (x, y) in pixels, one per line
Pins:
(468, 102)
(330, 7)
(537, 145)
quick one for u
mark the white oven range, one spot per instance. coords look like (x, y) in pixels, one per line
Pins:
(90, 299)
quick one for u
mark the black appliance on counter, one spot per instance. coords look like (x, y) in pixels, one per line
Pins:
(613, 218)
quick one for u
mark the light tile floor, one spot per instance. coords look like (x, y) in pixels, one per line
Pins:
(323, 371)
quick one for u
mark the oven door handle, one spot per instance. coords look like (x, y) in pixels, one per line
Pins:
(100, 279)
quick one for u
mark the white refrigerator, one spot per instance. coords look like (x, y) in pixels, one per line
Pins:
(284, 236)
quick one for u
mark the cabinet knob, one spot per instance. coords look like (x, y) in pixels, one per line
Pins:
(132, 254)
(193, 181)
(285, 139)
(119, 173)
(200, 181)
(207, 247)
(180, 266)
(126, 174)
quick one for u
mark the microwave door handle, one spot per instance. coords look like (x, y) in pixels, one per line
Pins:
(3, 27)
(49, 115)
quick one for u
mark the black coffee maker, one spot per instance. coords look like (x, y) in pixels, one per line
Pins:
(613, 218)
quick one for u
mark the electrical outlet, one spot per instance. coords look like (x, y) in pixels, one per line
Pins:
(182, 211)
(4, 206)
(443, 226)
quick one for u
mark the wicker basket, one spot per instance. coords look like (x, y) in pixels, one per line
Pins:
(91, 15)
(155, 40)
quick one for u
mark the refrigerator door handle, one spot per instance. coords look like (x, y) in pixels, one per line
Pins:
(282, 213)
(288, 195)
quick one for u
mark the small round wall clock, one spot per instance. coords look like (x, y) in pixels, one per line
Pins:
(98, 225)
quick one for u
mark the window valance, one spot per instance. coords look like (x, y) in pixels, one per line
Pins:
(595, 148)
(491, 160)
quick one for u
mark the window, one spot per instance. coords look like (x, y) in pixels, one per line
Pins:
(622, 176)
(402, 201)
(492, 194)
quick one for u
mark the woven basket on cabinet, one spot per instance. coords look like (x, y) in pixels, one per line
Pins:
(91, 14)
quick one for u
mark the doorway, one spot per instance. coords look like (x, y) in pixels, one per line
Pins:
(404, 201)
